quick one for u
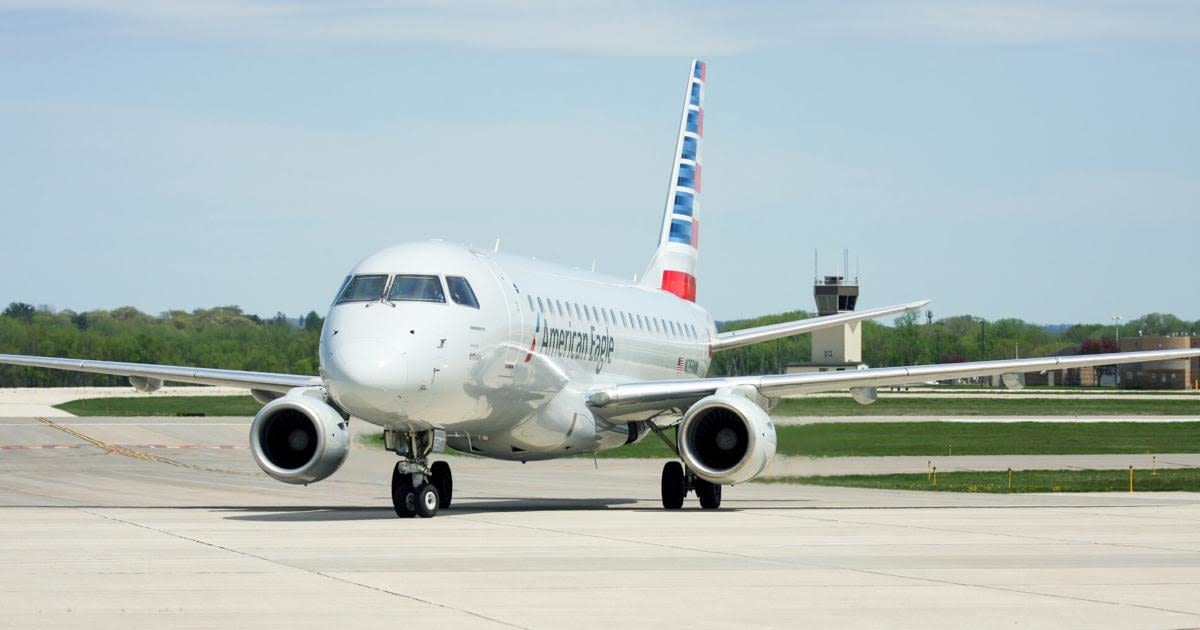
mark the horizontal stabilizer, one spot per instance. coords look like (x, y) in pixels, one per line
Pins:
(747, 336)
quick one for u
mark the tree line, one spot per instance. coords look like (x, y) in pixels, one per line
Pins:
(913, 340)
(221, 337)
(226, 337)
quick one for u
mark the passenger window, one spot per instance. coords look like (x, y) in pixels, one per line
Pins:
(604, 312)
(530, 303)
(540, 309)
(407, 288)
(558, 305)
(578, 315)
(363, 289)
(460, 291)
(596, 314)
(657, 329)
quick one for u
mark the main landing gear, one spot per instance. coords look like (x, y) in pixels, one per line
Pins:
(677, 482)
(418, 488)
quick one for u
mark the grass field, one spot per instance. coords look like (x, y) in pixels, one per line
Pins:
(164, 406)
(876, 439)
(1174, 479)
(900, 405)
(817, 440)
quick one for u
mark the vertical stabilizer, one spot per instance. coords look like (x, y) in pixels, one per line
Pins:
(673, 267)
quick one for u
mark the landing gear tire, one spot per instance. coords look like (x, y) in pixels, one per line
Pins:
(708, 493)
(443, 480)
(674, 485)
(404, 499)
(427, 500)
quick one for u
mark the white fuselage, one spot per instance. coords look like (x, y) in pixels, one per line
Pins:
(507, 379)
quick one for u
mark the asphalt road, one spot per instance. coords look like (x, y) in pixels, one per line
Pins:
(167, 522)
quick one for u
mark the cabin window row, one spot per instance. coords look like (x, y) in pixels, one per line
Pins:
(612, 317)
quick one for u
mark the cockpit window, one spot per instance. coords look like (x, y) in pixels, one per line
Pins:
(365, 288)
(460, 291)
(410, 288)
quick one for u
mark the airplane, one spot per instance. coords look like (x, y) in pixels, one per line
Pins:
(501, 356)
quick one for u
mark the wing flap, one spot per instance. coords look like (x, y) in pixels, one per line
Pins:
(747, 336)
(776, 385)
(268, 381)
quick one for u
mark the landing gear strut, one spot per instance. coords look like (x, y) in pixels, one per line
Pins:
(418, 488)
(677, 482)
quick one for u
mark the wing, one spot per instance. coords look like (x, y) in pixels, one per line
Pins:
(747, 336)
(266, 381)
(682, 393)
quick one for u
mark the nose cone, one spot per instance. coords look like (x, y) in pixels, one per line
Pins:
(364, 375)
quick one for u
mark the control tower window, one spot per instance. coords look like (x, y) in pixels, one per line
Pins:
(366, 288)
(460, 291)
(411, 288)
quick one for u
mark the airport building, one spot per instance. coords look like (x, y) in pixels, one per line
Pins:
(839, 348)
(1180, 374)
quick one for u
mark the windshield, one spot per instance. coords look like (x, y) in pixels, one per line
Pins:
(460, 291)
(411, 288)
(363, 289)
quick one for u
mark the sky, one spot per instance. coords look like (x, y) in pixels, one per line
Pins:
(1038, 160)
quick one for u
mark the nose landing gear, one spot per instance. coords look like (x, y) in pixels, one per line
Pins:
(418, 488)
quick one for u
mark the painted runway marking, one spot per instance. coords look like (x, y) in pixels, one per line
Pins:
(30, 447)
(128, 452)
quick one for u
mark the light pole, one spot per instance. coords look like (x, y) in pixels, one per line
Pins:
(1117, 329)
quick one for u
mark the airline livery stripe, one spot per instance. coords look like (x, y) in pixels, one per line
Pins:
(680, 283)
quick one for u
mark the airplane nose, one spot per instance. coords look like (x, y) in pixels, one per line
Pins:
(365, 374)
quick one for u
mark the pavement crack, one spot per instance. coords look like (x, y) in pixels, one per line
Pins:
(327, 576)
(875, 572)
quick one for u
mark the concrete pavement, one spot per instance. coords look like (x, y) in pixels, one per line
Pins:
(196, 537)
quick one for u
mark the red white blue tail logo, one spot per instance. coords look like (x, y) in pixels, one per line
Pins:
(673, 267)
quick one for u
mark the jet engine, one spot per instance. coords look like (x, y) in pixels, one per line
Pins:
(726, 439)
(299, 439)
(145, 385)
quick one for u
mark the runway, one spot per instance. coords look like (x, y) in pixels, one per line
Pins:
(156, 522)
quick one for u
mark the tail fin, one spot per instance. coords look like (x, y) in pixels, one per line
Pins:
(673, 267)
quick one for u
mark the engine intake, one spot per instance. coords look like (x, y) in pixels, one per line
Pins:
(726, 439)
(299, 439)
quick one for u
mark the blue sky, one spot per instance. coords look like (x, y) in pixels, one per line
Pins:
(1035, 160)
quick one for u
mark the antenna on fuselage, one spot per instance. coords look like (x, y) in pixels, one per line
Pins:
(496, 247)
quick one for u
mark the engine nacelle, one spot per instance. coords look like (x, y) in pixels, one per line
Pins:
(299, 439)
(145, 385)
(726, 439)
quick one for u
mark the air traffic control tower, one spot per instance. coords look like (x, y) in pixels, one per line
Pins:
(839, 348)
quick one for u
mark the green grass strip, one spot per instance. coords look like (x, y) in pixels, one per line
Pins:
(1023, 481)
(874, 439)
(164, 406)
(877, 439)
(900, 405)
